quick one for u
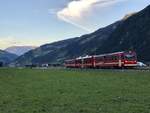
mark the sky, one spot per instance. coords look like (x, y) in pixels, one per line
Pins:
(38, 22)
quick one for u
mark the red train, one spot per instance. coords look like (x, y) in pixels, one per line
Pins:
(111, 60)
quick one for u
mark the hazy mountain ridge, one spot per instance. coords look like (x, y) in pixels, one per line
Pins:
(19, 50)
(132, 33)
(6, 57)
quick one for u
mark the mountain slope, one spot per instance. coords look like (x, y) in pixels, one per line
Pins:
(134, 34)
(19, 50)
(71, 48)
(6, 57)
(131, 33)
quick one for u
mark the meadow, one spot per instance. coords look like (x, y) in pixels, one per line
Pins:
(74, 91)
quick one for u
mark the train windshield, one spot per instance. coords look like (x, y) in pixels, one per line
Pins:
(130, 57)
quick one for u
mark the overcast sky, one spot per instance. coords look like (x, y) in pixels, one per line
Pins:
(36, 22)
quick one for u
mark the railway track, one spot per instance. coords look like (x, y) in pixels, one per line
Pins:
(143, 68)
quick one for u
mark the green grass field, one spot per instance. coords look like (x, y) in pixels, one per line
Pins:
(74, 91)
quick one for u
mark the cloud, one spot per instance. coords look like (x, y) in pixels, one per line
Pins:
(4, 42)
(13, 41)
(76, 10)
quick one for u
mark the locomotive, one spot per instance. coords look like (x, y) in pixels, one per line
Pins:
(111, 60)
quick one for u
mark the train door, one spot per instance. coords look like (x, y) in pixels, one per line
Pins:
(82, 63)
(120, 62)
(93, 62)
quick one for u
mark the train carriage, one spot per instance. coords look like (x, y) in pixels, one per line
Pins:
(70, 63)
(118, 59)
(111, 60)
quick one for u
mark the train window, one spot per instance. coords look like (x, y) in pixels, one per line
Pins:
(122, 57)
(109, 58)
(89, 60)
(130, 57)
(99, 59)
(105, 58)
(79, 61)
(69, 62)
(115, 57)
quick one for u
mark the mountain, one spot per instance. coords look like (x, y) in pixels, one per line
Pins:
(130, 33)
(6, 57)
(19, 50)
(59, 51)
(128, 15)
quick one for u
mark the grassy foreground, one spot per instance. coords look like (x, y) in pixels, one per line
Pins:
(74, 91)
